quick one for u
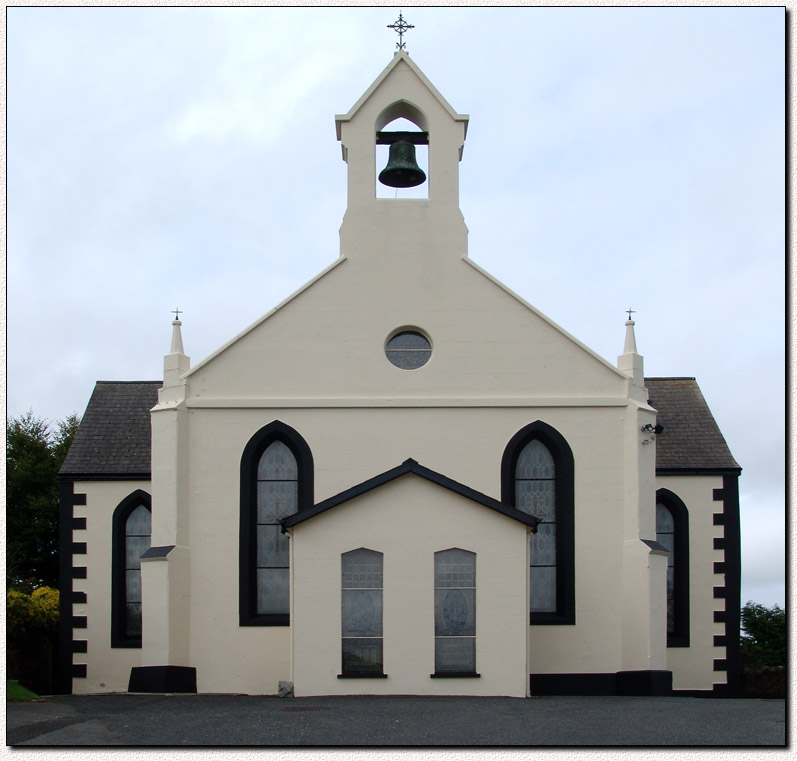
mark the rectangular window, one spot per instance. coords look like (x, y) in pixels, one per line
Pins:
(455, 613)
(361, 614)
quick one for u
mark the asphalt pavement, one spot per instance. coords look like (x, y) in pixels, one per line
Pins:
(368, 721)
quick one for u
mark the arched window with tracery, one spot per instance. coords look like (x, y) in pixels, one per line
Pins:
(276, 482)
(537, 478)
(672, 531)
(132, 531)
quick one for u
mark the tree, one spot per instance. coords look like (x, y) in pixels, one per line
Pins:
(34, 455)
(763, 641)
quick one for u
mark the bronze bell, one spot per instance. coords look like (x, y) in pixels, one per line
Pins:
(402, 171)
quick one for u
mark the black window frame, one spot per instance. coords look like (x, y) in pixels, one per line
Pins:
(250, 459)
(564, 494)
(680, 636)
(119, 636)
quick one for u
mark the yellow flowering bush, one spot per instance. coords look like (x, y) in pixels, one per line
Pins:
(31, 616)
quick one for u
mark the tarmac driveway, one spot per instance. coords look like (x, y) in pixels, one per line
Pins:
(225, 720)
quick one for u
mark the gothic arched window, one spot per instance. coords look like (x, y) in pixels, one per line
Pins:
(132, 530)
(672, 530)
(537, 478)
(276, 482)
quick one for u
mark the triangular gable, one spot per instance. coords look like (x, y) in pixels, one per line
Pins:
(411, 466)
(262, 319)
(400, 56)
(544, 317)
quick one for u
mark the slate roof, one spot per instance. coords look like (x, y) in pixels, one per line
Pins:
(113, 440)
(691, 440)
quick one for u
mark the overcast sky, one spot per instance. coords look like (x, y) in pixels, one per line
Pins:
(616, 158)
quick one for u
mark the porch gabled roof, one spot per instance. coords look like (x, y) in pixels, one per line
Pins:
(407, 467)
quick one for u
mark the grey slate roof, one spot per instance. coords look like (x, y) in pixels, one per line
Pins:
(691, 440)
(113, 440)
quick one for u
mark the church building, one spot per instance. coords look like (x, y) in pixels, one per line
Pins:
(402, 480)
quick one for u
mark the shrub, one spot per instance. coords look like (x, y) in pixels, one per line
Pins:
(31, 617)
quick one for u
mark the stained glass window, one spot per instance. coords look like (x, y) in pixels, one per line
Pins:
(361, 612)
(277, 498)
(132, 535)
(408, 350)
(535, 494)
(137, 541)
(454, 611)
(665, 535)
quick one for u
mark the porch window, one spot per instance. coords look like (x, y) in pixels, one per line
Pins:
(361, 614)
(455, 613)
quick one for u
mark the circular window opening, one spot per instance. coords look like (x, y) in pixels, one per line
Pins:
(408, 350)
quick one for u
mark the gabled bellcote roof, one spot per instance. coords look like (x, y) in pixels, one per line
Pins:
(411, 466)
(401, 57)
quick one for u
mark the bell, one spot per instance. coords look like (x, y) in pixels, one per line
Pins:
(402, 171)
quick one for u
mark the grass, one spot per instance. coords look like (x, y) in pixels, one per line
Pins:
(16, 693)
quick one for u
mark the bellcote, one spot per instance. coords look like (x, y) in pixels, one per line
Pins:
(401, 91)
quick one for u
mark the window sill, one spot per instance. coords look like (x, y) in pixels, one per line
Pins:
(126, 643)
(455, 675)
(362, 675)
(265, 619)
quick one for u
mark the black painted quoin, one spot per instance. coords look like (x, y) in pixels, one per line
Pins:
(68, 641)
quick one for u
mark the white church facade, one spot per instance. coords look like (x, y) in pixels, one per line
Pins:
(404, 479)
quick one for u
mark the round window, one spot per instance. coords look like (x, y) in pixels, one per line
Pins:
(408, 350)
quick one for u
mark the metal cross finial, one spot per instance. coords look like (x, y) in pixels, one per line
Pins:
(630, 312)
(176, 313)
(400, 27)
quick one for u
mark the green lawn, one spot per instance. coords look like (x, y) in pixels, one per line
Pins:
(16, 692)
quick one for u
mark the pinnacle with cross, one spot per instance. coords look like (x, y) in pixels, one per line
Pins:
(400, 27)
(176, 313)
(630, 312)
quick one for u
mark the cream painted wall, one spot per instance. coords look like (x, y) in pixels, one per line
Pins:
(486, 343)
(692, 667)
(408, 520)
(352, 445)
(108, 668)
